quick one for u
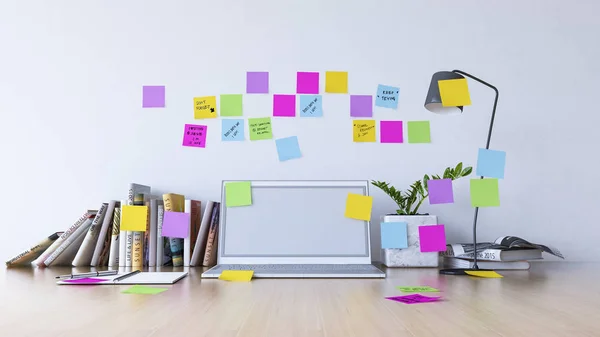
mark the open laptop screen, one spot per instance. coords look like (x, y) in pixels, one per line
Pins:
(295, 219)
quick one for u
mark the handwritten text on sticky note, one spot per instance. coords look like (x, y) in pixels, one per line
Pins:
(205, 107)
(134, 218)
(387, 96)
(232, 130)
(364, 130)
(311, 106)
(194, 135)
(424, 289)
(260, 128)
(413, 299)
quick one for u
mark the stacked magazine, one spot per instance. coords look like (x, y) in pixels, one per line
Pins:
(507, 252)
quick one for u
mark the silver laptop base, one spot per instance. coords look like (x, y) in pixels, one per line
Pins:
(301, 270)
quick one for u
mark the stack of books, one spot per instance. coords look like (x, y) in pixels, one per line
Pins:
(95, 239)
(506, 253)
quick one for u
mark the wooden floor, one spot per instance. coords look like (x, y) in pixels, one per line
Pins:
(552, 299)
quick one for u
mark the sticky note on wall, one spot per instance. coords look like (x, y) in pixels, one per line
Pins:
(311, 106)
(260, 128)
(232, 130)
(387, 96)
(490, 163)
(257, 82)
(485, 192)
(205, 107)
(231, 105)
(336, 82)
(284, 105)
(134, 218)
(440, 191)
(361, 106)
(364, 130)
(238, 194)
(153, 96)
(418, 132)
(288, 148)
(194, 135)
(432, 238)
(307, 82)
(391, 132)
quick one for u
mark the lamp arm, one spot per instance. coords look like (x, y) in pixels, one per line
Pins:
(487, 146)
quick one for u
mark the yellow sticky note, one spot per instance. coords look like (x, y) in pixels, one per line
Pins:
(358, 206)
(364, 130)
(454, 92)
(205, 107)
(485, 274)
(133, 218)
(236, 275)
(336, 82)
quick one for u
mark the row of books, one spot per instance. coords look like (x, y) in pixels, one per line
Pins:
(505, 253)
(96, 239)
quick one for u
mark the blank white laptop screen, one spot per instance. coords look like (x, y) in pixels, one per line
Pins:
(295, 220)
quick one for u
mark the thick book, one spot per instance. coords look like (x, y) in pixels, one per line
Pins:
(122, 240)
(86, 250)
(210, 253)
(115, 242)
(64, 254)
(151, 246)
(454, 262)
(28, 256)
(200, 245)
(505, 248)
(134, 189)
(102, 234)
(175, 203)
(193, 208)
(137, 249)
(161, 253)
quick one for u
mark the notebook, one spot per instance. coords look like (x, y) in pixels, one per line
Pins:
(128, 278)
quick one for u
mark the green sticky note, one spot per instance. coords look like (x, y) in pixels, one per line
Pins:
(424, 289)
(260, 128)
(231, 105)
(484, 192)
(238, 194)
(137, 289)
(418, 132)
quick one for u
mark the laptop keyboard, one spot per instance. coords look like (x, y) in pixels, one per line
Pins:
(300, 268)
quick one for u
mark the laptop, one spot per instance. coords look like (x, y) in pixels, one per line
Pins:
(295, 229)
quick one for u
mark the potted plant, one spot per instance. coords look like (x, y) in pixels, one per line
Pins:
(409, 202)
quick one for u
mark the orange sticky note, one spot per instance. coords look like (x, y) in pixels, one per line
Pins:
(454, 92)
(359, 206)
(484, 274)
(133, 218)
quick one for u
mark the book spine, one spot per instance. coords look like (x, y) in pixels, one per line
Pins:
(113, 256)
(211, 241)
(32, 253)
(102, 235)
(200, 245)
(65, 244)
(137, 250)
(151, 237)
(484, 255)
(186, 241)
(84, 254)
(175, 203)
(122, 240)
(40, 260)
(159, 238)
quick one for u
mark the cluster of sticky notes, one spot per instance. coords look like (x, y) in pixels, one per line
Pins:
(144, 290)
(358, 206)
(365, 130)
(176, 225)
(134, 218)
(485, 192)
(394, 235)
(413, 299)
(238, 193)
(454, 92)
(236, 275)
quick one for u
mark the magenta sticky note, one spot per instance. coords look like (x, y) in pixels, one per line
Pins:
(391, 132)
(194, 135)
(307, 83)
(85, 280)
(176, 225)
(412, 299)
(440, 191)
(257, 82)
(153, 96)
(432, 238)
(361, 106)
(284, 105)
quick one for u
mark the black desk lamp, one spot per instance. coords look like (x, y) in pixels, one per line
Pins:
(433, 103)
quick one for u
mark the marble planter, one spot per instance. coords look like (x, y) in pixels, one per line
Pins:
(411, 256)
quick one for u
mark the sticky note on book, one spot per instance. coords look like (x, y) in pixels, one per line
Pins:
(133, 218)
(236, 275)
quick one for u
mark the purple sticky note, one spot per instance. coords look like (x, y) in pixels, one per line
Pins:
(307, 83)
(440, 191)
(391, 132)
(194, 135)
(412, 299)
(432, 238)
(257, 82)
(176, 225)
(153, 96)
(85, 280)
(284, 105)
(361, 105)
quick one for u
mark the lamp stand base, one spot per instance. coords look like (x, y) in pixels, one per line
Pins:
(460, 271)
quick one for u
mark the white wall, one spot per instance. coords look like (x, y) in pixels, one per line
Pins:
(73, 133)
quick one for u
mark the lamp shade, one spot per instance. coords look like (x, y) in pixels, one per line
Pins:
(433, 101)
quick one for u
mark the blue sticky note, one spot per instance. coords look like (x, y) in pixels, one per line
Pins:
(490, 163)
(387, 97)
(232, 130)
(288, 148)
(394, 235)
(311, 106)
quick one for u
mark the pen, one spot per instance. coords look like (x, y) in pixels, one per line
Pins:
(127, 275)
(92, 274)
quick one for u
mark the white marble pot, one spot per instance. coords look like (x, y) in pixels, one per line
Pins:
(411, 256)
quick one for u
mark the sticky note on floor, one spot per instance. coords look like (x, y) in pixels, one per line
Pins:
(260, 128)
(144, 290)
(284, 105)
(336, 82)
(361, 106)
(418, 132)
(194, 135)
(484, 192)
(424, 289)
(311, 106)
(307, 83)
(391, 132)
(238, 193)
(358, 206)
(454, 92)
(153, 96)
(288, 148)
(133, 218)
(232, 130)
(413, 299)
(176, 225)
(387, 96)
(432, 238)
(363, 130)
(257, 82)
(205, 107)
(85, 280)
(485, 274)
(490, 163)
(394, 235)
(440, 191)
(236, 275)
(231, 105)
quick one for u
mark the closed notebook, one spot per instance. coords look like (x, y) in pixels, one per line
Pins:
(129, 278)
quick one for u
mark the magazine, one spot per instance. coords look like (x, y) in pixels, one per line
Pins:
(503, 243)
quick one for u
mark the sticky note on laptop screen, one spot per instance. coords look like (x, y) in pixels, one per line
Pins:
(238, 194)
(358, 206)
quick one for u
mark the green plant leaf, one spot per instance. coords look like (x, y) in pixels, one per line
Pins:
(425, 180)
(458, 169)
(447, 173)
(466, 171)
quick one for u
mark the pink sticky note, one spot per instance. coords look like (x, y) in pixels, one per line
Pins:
(284, 105)
(176, 225)
(391, 132)
(432, 238)
(85, 280)
(194, 135)
(412, 299)
(307, 83)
